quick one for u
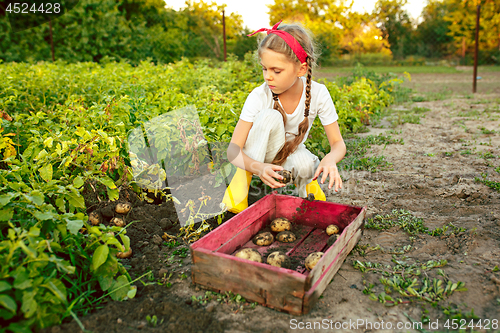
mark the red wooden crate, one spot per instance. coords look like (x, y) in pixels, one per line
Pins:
(294, 291)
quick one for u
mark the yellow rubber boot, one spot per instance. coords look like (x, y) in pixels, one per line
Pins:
(314, 188)
(236, 196)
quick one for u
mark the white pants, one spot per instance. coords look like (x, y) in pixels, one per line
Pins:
(265, 139)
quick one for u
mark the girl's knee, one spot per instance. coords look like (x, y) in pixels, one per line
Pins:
(305, 169)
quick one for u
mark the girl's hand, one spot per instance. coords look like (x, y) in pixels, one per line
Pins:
(269, 176)
(329, 168)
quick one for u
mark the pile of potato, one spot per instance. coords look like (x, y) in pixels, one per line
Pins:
(98, 216)
(117, 215)
(282, 227)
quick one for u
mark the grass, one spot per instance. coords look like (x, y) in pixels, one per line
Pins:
(399, 117)
(357, 148)
(490, 183)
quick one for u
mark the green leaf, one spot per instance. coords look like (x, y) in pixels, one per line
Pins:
(105, 281)
(107, 182)
(78, 182)
(76, 200)
(60, 204)
(131, 293)
(48, 142)
(22, 280)
(120, 288)
(6, 214)
(4, 285)
(5, 198)
(100, 256)
(113, 194)
(58, 288)
(43, 215)
(35, 197)
(19, 328)
(46, 172)
(74, 226)
(29, 306)
(41, 154)
(8, 303)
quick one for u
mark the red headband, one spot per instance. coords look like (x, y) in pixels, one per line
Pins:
(292, 42)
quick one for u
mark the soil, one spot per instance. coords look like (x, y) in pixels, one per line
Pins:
(432, 176)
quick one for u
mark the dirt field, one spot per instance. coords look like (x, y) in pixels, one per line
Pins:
(432, 178)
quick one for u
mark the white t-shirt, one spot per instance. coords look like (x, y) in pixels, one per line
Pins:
(321, 105)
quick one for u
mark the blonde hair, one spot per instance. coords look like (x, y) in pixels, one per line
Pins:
(277, 44)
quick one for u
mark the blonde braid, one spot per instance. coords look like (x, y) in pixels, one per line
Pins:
(308, 87)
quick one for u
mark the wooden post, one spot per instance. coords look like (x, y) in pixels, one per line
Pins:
(476, 49)
(51, 41)
(463, 51)
(224, 32)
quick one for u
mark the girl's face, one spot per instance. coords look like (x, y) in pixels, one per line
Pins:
(279, 72)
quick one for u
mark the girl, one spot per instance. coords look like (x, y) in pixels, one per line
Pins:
(276, 119)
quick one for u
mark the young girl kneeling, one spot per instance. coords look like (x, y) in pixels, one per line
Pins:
(276, 119)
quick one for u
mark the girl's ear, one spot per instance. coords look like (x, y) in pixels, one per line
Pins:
(302, 69)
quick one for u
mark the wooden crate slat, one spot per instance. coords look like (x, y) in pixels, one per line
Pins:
(315, 242)
(334, 250)
(318, 214)
(245, 235)
(313, 294)
(225, 232)
(261, 283)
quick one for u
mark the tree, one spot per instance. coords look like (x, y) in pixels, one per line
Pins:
(205, 26)
(462, 28)
(328, 20)
(396, 26)
(433, 32)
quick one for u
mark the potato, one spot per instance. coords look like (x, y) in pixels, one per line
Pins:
(280, 224)
(332, 239)
(123, 255)
(287, 176)
(123, 207)
(263, 239)
(94, 218)
(332, 229)
(286, 237)
(313, 259)
(279, 259)
(249, 254)
(118, 222)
